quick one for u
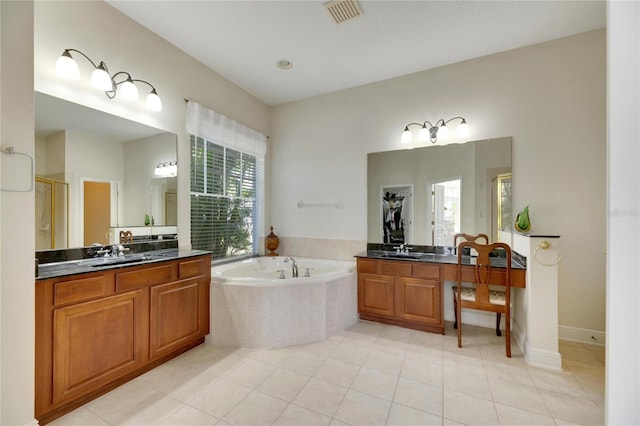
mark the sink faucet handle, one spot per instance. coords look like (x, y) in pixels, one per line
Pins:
(102, 251)
(281, 276)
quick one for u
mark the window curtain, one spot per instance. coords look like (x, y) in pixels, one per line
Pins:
(217, 128)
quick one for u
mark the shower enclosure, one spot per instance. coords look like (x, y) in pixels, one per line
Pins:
(52, 213)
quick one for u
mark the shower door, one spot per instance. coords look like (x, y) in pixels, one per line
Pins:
(52, 213)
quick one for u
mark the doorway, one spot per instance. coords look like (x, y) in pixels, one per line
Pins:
(500, 205)
(445, 210)
(97, 212)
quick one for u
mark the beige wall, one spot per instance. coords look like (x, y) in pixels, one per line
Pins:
(17, 215)
(549, 97)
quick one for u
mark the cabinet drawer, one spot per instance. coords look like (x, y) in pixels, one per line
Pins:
(126, 281)
(425, 270)
(395, 268)
(78, 290)
(367, 266)
(191, 268)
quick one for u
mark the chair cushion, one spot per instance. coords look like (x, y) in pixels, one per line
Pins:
(495, 297)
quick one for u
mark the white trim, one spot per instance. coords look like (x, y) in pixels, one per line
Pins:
(32, 422)
(518, 336)
(582, 335)
(543, 358)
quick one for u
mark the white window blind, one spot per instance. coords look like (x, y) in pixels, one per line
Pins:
(227, 184)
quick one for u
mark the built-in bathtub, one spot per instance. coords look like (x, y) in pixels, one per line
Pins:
(252, 307)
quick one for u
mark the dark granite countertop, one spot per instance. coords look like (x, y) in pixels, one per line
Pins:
(97, 264)
(427, 257)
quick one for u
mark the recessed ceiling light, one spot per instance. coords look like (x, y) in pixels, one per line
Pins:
(284, 64)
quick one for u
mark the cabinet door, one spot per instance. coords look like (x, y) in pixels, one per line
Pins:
(178, 315)
(421, 300)
(95, 343)
(375, 294)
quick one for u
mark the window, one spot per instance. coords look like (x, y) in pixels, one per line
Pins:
(223, 200)
(227, 183)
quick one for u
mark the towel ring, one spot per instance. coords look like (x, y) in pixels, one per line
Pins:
(545, 245)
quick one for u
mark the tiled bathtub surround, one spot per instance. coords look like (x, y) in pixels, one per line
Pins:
(320, 248)
(275, 315)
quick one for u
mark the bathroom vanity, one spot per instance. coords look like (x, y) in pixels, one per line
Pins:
(101, 322)
(407, 289)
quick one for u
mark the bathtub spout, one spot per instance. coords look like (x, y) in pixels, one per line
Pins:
(294, 266)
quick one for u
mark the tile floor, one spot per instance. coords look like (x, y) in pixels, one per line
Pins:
(371, 374)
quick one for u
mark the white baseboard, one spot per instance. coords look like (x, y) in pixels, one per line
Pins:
(582, 335)
(543, 358)
(518, 336)
(538, 357)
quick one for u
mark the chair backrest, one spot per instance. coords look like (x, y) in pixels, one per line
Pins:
(470, 237)
(482, 270)
(126, 237)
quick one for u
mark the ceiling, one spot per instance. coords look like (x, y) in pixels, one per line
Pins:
(243, 40)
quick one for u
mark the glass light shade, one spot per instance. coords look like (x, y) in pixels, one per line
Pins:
(443, 132)
(100, 79)
(153, 101)
(129, 91)
(463, 130)
(423, 135)
(67, 67)
(406, 137)
(169, 168)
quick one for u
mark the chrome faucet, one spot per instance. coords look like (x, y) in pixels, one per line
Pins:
(294, 266)
(403, 248)
(118, 250)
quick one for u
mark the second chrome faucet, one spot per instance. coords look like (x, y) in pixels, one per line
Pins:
(294, 266)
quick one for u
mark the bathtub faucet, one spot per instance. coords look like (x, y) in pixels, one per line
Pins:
(294, 266)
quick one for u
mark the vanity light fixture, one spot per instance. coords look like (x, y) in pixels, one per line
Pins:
(167, 169)
(118, 83)
(432, 132)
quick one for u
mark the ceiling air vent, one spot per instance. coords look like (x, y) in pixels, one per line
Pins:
(343, 10)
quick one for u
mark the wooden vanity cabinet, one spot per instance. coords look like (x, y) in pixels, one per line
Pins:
(407, 294)
(96, 331)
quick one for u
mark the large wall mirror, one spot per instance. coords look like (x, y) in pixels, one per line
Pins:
(426, 195)
(96, 175)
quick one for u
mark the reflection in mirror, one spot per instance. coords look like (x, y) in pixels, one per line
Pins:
(164, 203)
(107, 163)
(444, 189)
(396, 213)
(52, 213)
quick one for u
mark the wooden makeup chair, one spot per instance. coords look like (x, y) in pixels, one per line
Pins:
(474, 238)
(126, 237)
(476, 293)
